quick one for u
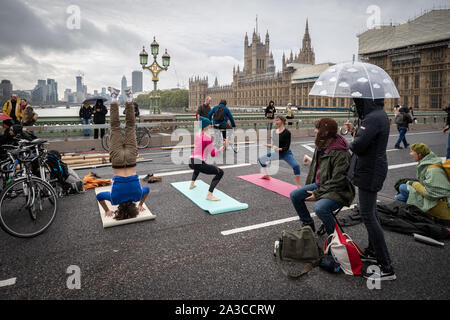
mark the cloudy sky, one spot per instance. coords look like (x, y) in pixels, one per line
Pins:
(203, 37)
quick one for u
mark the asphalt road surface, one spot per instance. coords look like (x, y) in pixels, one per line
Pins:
(183, 254)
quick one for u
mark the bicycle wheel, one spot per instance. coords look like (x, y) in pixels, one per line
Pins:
(343, 130)
(233, 142)
(105, 142)
(217, 138)
(27, 207)
(142, 138)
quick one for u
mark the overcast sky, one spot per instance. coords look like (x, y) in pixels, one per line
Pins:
(203, 37)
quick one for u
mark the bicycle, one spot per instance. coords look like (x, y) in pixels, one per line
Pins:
(28, 205)
(232, 139)
(143, 139)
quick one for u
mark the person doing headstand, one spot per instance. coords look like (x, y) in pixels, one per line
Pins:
(203, 147)
(126, 188)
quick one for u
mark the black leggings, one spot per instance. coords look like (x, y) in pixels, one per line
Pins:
(205, 168)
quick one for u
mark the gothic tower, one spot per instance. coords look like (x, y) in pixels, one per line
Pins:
(306, 55)
(257, 54)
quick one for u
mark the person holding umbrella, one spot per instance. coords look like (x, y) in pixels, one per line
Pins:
(368, 85)
(99, 111)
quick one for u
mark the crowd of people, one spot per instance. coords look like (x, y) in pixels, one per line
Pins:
(336, 169)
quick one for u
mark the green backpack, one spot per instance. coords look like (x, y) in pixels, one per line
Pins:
(299, 245)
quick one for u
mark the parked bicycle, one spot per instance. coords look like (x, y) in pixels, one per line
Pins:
(143, 138)
(28, 204)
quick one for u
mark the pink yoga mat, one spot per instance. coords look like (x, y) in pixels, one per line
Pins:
(273, 184)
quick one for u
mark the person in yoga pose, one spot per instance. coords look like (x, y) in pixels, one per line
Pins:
(280, 151)
(126, 188)
(203, 147)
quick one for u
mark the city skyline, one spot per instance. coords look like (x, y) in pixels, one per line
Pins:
(105, 50)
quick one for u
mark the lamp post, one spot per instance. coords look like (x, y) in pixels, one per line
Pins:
(155, 69)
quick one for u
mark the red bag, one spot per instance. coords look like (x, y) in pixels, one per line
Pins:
(345, 251)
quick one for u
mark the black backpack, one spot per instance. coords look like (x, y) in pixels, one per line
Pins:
(58, 168)
(219, 115)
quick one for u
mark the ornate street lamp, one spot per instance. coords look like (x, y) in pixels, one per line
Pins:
(155, 69)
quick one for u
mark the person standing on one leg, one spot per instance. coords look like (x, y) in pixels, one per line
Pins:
(282, 137)
(327, 181)
(126, 188)
(368, 170)
(203, 147)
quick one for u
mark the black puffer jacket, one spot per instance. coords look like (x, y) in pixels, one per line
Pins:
(100, 112)
(369, 166)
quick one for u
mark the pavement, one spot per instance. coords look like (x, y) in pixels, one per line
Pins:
(184, 254)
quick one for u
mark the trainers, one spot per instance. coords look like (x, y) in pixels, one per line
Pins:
(407, 146)
(313, 227)
(128, 92)
(368, 256)
(114, 92)
(383, 274)
(398, 147)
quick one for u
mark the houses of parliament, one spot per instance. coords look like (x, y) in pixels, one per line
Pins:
(258, 82)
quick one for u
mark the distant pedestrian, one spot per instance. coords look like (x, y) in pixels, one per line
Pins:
(289, 113)
(446, 128)
(12, 109)
(402, 120)
(270, 114)
(136, 109)
(204, 109)
(29, 117)
(99, 111)
(85, 115)
(411, 113)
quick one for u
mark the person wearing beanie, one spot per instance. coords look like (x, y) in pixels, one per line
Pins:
(281, 139)
(327, 182)
(126, 188)
(430, 190)
(203, 147)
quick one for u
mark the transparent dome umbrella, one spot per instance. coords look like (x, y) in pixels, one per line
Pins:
(355, 80)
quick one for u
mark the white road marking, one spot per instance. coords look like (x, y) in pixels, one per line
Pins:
(8, 282)
(270, 223)
(409, 164)
(307, 147)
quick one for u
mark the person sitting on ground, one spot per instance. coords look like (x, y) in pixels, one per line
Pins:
(431, 190)
(29, 117)
(126, 188)
(203, 147)
(221, 115)
(327, 181)
(282, 138)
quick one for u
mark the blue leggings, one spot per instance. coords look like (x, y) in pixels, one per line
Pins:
(286, 156)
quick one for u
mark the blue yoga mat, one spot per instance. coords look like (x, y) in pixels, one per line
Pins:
(198, 196)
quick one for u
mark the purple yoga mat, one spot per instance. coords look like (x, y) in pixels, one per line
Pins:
(273, 184)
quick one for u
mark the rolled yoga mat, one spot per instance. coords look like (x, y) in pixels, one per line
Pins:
(198, 196)
(111, 222)
(275, 185)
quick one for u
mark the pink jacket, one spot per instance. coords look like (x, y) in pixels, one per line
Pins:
(203, 147)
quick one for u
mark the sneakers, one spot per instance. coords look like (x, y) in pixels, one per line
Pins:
(114, 92)
(368, 256)
(382, 274)
(407, 146)
(398, 147)
(313, 227)
(128, 92)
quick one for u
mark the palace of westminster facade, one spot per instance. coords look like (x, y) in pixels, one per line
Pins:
(258, 82)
